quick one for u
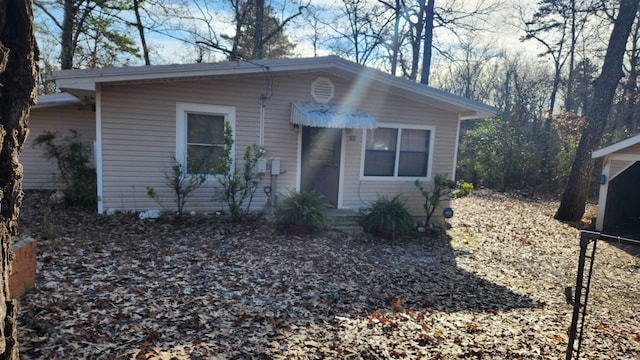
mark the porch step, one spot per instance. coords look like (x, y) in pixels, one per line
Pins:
(345, 220)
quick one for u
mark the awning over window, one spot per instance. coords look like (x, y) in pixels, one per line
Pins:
(327, 116)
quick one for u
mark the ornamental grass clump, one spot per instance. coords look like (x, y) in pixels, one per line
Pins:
(387, 217)
(303, 209)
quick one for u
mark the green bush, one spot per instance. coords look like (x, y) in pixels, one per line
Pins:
(73, 160)
(440, 190)
(302, 208)
(495, 153)
(462, 189)
(182, 184)
(387, 215)
(237, 188)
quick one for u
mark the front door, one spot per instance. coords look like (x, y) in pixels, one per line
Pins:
(321, 161)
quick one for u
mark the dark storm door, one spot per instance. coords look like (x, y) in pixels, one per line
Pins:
(321, 161)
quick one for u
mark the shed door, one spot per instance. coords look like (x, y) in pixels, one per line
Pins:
(622, 213)
(321, 161)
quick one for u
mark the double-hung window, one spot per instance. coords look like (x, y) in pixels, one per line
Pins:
(397, 152)
(200, 135)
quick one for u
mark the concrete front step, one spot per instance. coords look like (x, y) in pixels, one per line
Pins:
(348, 229)
(345, 220)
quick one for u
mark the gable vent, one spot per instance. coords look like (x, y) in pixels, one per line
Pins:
(322, 90)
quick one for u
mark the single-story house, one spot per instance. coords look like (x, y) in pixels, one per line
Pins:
(347, 131)
(618, 209)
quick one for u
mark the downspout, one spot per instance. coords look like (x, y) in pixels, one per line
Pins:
(343, 159)
(273, 178)
(455, 151)
(455, 157)
(98, 149)
(263, 105)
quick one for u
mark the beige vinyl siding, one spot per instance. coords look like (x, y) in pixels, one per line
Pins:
(385, 107)
(139, 136)
(359, 192)
(618, 166)
(139, 125)
(40, 172)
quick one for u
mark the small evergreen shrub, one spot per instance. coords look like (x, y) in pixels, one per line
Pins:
(182, 184)
(440, 190)
(238, 188)
(76, 172)
(462, 189)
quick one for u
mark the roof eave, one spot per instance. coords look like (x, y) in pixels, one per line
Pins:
(58, 99)
(87, 79)
(466, 108)
(81, 82)
(475, 115)
(616, 147)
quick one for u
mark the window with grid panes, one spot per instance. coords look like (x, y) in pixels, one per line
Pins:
(397, 152)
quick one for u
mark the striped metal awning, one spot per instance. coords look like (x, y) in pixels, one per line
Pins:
(328, 116)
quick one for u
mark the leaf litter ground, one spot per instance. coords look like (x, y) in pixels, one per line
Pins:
(115, 287)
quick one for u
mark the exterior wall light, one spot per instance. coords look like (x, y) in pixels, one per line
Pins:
(603, 179)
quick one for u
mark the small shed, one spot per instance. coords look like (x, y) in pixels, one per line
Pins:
(618, 209)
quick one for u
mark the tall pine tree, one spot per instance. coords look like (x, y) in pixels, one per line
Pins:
(18, 80)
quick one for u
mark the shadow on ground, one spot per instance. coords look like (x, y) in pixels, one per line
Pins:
(423, 274)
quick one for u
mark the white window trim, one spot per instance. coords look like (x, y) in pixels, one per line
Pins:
(182, 109)
(432, 132)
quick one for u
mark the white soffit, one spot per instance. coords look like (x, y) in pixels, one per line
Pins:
(57, 99)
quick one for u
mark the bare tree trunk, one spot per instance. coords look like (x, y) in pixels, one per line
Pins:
(240, 16)
(416, 41)
(569, 106)
(66, 41)
(71, 26)
(543, 176)
(143, 40)
(18, 81)
(630, 98)
(395, 47)
(259, 29)
(428, 42)
(574, 197)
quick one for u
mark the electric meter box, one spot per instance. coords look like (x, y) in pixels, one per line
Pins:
(275, 166)
(261, 167)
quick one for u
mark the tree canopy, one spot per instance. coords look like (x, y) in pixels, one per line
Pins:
(544, 94)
